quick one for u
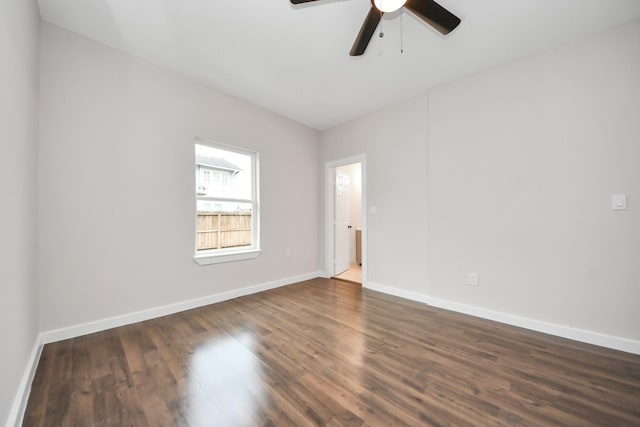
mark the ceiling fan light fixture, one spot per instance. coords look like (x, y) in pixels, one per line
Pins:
(388, 6)
(428, 10)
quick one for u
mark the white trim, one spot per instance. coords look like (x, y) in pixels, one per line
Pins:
(397, 292)
(216, 258)
(589, 337)
(329, 167)
(223, 199)
(152, 313)
(16, 412)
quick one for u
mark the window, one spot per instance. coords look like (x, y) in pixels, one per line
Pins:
(227, 215)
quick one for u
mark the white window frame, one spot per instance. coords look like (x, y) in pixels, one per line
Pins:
(215, 256)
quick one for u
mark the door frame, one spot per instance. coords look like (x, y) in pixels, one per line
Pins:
(329, 192)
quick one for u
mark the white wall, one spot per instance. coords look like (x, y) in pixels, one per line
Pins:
(116, 185)
(394, 141)
(354, 172)
(522, 162)
(19, 26)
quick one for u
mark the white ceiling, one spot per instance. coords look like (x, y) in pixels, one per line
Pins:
(294, 60)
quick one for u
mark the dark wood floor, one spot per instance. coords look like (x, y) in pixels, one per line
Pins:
(327, 353)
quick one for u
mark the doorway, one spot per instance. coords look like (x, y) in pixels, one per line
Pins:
(345, 219)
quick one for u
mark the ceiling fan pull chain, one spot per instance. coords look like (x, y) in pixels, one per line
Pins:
(428, 10)
(401, 33)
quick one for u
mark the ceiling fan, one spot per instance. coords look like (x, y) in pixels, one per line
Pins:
(427, 10)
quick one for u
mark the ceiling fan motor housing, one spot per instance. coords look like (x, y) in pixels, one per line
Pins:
(428, 10)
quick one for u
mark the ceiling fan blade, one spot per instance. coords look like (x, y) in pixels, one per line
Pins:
(366, 32)
(434, 14)
(301, 1)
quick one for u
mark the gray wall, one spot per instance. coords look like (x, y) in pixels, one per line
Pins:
(508, 173)
(394, 140)
(522, 162)
(116, 197)
(19, 26)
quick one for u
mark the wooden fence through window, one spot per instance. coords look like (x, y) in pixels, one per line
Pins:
(217, 230)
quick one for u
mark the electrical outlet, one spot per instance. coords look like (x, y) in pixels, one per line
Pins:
(473, 279)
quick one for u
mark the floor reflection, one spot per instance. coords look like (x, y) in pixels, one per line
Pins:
(225, 384)
(346, 308)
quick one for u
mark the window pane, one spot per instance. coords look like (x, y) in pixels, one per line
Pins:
(222, 173)
(223, 225)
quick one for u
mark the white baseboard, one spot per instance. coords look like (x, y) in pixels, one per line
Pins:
(397, 292)
(152, 313)
(16, 412)
(596, 338)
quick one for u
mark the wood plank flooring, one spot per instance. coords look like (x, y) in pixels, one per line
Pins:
(328, 353)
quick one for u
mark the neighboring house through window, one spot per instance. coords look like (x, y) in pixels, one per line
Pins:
(227, 210)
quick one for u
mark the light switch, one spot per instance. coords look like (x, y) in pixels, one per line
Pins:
(619, 202)
(373, 210)
(473, 279)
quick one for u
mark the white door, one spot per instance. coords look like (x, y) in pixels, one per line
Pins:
(341, 224)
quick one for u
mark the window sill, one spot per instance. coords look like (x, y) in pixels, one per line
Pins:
(207, 259)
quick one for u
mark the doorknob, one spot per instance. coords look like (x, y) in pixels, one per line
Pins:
(348, 226)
